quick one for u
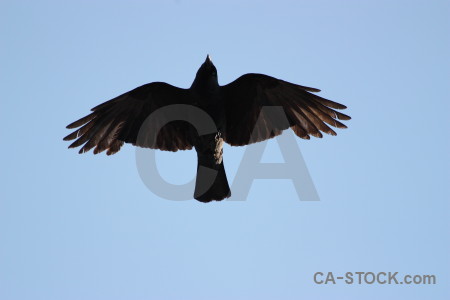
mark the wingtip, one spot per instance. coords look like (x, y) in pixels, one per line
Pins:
(317, 134)
(82, 151)
(309, 89)
(331, 132)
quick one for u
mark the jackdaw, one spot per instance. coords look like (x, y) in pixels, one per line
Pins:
(234, 108)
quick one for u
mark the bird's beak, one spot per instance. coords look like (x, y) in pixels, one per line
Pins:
(208, 59)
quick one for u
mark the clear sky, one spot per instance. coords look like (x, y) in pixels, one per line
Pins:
(86, 227)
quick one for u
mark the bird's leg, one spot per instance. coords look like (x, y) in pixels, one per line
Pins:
(218, 149)
(209, 149)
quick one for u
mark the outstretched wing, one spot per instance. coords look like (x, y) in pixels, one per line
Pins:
(307, 114)
(119, 120)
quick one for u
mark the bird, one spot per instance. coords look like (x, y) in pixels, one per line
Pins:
(234, 109)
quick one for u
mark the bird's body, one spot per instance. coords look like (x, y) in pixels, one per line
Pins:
(234, 109)
(206, 92)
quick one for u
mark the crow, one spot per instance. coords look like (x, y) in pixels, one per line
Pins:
(234, 108)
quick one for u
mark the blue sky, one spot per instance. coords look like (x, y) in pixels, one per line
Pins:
(86, 227)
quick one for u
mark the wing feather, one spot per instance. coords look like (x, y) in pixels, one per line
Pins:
(119, 120)
(307, 113)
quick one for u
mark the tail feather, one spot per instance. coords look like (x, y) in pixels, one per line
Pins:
(211, 183)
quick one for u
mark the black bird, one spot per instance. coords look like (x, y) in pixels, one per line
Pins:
(234, 108)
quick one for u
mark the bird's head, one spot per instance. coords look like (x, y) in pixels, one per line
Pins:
(206, 75)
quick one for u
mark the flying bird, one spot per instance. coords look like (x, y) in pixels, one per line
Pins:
(235, 109)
